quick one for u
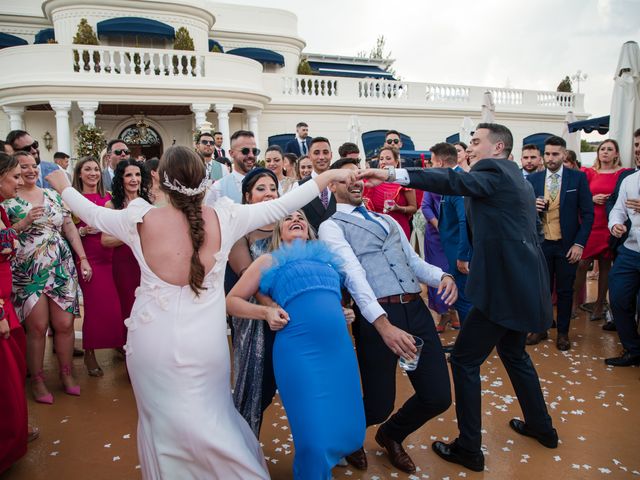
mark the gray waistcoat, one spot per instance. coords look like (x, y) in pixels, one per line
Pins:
(380, 254)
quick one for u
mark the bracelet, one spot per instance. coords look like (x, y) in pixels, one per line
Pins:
(392, 174)
(82, 232)
(445, 275)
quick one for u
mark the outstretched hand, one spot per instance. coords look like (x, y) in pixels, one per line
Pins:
(374, 176)
(58, 180)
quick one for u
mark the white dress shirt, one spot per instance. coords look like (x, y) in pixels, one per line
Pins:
(356, 277)
(547, 178)
(629, 188)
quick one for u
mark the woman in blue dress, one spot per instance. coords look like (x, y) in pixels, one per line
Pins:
(314, 362)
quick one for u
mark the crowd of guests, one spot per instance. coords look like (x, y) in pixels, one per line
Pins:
(364, 271)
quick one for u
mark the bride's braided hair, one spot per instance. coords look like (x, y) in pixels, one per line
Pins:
(184, 165)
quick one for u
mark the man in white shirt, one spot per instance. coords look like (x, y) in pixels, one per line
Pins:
(383, 275)
(624, 277)
(531, 160)
(321, 208)
(244, 153)
(62, 160)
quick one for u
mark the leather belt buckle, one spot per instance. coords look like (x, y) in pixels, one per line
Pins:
(402, 300)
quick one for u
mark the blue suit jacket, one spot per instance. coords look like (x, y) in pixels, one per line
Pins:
(576, 205)
(293, 146)
(452, 226)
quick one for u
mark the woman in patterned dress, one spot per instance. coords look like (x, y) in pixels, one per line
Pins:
(45, 281)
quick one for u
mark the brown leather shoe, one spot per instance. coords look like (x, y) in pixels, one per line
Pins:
(399, 458)
(536, 338)
(562, 342)
(358, 459)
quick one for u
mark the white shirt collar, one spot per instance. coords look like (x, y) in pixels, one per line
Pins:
(559, 172)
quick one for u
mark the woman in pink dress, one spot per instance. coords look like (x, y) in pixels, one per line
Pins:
(103, 325)
(602, 178)
(131, 180)
(391, 198)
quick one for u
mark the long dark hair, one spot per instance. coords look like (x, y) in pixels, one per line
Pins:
(7, 162)
(77, 181)
(183, 165)
(118, 197)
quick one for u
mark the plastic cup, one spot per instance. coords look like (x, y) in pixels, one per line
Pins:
(389, 204)
(411, 365)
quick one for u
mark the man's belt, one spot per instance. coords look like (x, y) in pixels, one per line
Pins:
(402, 298)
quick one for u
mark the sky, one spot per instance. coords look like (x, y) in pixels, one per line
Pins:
(499, 43)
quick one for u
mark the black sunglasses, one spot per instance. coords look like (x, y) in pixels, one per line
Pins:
(27, 148)
(207, 142)
(246, 150)
(120, 152)
(393, 140)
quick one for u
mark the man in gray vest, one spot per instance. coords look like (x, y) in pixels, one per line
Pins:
(383, 274)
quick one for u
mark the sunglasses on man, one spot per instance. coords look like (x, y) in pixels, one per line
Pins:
(120, 152)
(207, 142)
(28, 148)
(393, 140)
(246, 150)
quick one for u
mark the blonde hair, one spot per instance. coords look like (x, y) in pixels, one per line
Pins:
(276, 237)
(616, 163)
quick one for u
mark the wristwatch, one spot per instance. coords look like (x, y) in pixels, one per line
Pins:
(82, 232)
(392, 174)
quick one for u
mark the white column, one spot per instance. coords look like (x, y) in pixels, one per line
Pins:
(253, 115)
(63, 133)
(200, 113)
(15, 117)
(223, 110)
(88, 112)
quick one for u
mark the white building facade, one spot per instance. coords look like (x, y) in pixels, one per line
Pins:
(132, 79)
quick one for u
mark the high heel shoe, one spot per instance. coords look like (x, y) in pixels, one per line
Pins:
(442, 325)
(89, 358)
(65, 371)
(46, 399)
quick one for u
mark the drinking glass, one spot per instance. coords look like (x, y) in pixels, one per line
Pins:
(410, 365)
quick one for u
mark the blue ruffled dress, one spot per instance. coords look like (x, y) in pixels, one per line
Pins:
(314, 361)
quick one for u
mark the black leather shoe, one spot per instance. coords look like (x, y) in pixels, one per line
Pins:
(358, 459)
(562, 342)
(609, 327)
(536, 338)
(399, 458)
(624, 360)
(549, 439)
(451, 452)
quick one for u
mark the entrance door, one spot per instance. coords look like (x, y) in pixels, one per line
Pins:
(142, 140)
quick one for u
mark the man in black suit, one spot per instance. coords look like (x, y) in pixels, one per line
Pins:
(322, 207)
(301, 144)
(508, 286)
(564, 202)
(218, 151)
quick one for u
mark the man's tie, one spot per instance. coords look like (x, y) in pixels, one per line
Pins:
(324, 197)
(303, 147)
(364, 212)
(554, 186)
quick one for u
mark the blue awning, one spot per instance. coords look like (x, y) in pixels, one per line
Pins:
(136, 26)
(8, 40)
(537, 139)
(261, 55)
(43, 36)
(601, 124)
(213, 43)
(373, 141)
(453, 138)
(350, 70)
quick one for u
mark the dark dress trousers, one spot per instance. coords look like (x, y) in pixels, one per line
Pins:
(576, 219)
(508, 286)
(315, 211)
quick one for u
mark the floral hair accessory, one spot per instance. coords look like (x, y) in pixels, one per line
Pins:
(176, 186)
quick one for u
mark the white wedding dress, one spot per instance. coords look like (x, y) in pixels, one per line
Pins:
(178, 355)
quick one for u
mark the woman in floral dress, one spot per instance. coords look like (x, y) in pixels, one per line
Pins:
(45, 282)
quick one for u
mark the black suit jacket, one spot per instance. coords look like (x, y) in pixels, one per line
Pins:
(576, 205)
(508, 278)
(315, 211)
(293, 146)
(216, 155)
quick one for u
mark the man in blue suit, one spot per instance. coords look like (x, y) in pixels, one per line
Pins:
(452, 226)
(566, 208)
(301, 143)
(21, 140)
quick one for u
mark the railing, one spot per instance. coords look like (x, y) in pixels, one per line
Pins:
(386, 92)
(136, 61)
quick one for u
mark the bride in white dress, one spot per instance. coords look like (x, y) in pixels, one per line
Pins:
(177, 350)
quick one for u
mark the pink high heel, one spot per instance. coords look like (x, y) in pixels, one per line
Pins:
(65, 371)
(45, 399)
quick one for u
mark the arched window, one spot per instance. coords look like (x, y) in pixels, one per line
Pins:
(142, 139)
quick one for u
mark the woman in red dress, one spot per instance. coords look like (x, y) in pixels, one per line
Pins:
(103, 324)
(130, 180)
(13, 403)
(391, 198)
(602, 178)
